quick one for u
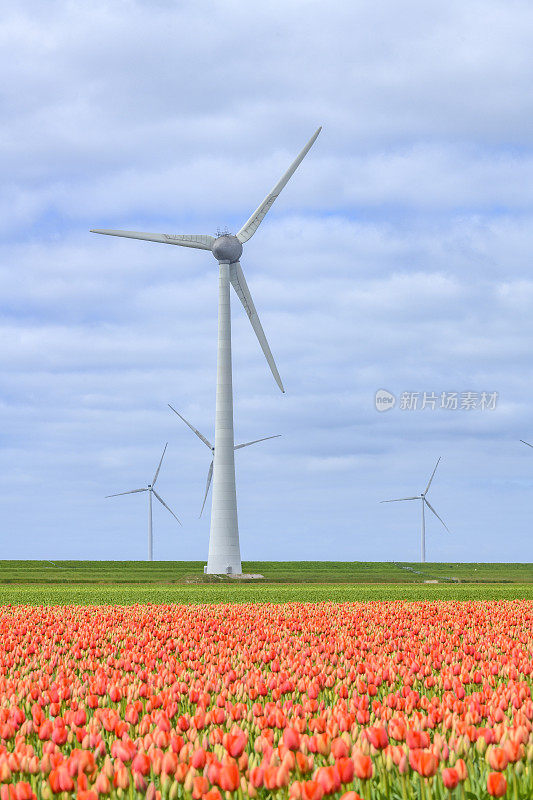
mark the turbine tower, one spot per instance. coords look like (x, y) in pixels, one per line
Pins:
(224, 550)
(210, 446)
(425, 502)
(151, 491)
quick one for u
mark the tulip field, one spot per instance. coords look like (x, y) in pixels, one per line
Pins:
(295, 701)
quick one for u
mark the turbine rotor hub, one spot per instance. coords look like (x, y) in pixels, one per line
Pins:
(227, 248)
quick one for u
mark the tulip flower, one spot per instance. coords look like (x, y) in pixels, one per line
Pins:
(496, 784)
(450, 778)
(363, 766)
(497, 758)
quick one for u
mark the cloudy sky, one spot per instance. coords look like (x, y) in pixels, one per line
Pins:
(398, 257)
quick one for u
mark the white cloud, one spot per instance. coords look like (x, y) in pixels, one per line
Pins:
(399, 256)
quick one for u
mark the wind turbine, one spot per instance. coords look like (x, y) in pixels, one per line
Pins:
(151, 491)
(224, 550)
(211, 447)
(425, 502)
(523, 442)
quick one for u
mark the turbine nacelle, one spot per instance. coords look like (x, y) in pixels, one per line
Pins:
(227, 248)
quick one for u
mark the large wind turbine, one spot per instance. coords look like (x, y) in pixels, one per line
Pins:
(211, 447)
(424, 502)
(151, 491)
(523, 442)
(224, 550)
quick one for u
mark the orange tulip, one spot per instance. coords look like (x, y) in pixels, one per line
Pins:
(311, 790)
(363, 766)
(228, 779)
(498, 758)
(200, 786)
(60, 780)
(424, 762)
(461, 769)
(102, 784)
(496, 784)
(23, 791)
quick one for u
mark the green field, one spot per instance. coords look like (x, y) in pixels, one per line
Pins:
(175, 573)
(56, 594)
(127, 582)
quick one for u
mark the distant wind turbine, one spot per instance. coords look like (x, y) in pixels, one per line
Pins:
(151, 491)
(210, 446)
(523, 442)
(224, 549)
(425, 502)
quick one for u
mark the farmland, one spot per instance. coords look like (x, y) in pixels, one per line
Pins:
(83, 594)
(275, 572)
(130, 582)
(297, 702)
(126, 583)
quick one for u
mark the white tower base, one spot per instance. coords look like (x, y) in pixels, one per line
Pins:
(224, 551)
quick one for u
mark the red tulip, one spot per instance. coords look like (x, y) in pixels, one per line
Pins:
(329, 779)
(346, 769)
(141, 764)
(235, 742)
(377, 736)
(60, 780)
(291, 738)
(450, 778)
(256, 777)
(417, 739)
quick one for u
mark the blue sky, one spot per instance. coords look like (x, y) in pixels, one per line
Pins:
(398, 257)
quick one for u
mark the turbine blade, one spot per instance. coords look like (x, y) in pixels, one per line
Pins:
(252, 224)
(193, 429)
(133, 491)
(432, 474)
(432, 509)
(159, 467)
(207, 485)
(523, 442)
(198, 241)
(399, 500)
(246, 444)
(164, 504)
(238, 282)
